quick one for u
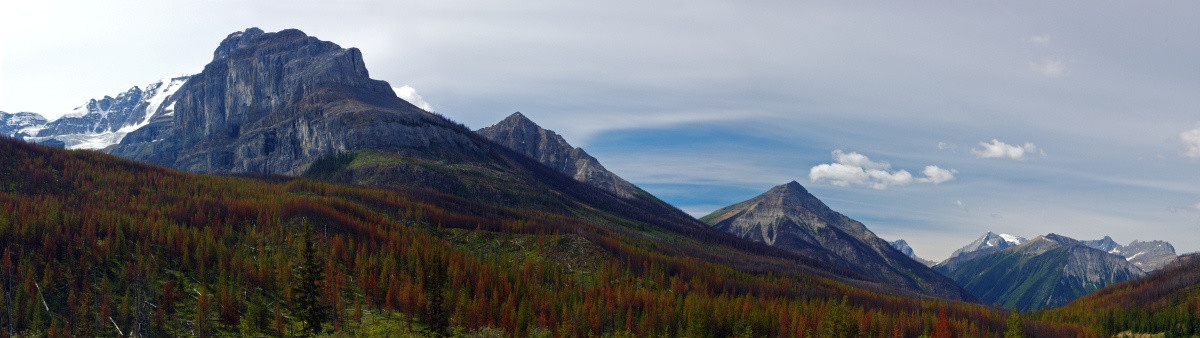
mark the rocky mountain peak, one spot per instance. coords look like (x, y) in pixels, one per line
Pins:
(1107, 244)
(791, 188)
(237, 40)
(789, 217)
(519, 133)
(276, 102)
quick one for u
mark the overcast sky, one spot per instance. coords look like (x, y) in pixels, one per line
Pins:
(931, 122)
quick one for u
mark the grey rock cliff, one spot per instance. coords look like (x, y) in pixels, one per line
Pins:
(788, 217)
(275, 102)
(522, 135)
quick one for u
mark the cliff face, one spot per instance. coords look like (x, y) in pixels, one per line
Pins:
(524, 136)
(275, 102)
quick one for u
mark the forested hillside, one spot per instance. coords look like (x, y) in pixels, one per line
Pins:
(96, 245)
(1165, 301)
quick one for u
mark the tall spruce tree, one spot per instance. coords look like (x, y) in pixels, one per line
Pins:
(435, 287)
(306, 295)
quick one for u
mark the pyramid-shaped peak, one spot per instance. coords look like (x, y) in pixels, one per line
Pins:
(790, 188)
(517, 118)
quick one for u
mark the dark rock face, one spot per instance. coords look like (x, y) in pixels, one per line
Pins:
(902, 246)
(788, 217)
(1045, 272)
(527, 138)
(275, 102)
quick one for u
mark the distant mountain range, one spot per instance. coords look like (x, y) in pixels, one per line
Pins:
(1045, 272)
(1148, 256)
(789, 217)
(99, 123)
(287, 103)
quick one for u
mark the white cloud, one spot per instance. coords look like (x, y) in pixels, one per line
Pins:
(946, 146)
(1050, 68)
(1191, 142)
(934, 174)
(858, 160)
(998, 149)
(1195, 207)
(1043, 39)
(409, 94)
(856, 169)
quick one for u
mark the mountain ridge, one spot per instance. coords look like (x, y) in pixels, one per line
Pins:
(519, 133)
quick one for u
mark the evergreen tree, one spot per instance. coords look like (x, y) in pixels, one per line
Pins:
(306, 298)
(1014, 329)
(435, 285)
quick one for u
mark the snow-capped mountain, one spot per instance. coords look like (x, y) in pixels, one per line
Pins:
(990, 240)
(19, 125)
(100, 122)
(988, 243)
(1148, 256)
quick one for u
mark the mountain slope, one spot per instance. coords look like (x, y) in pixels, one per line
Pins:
(1166, 301)
(1148, 256)
(524, 136)
(788, 217)
(1045, 272)
(903, 247)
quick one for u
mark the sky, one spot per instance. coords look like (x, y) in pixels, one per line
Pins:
(930, 122)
